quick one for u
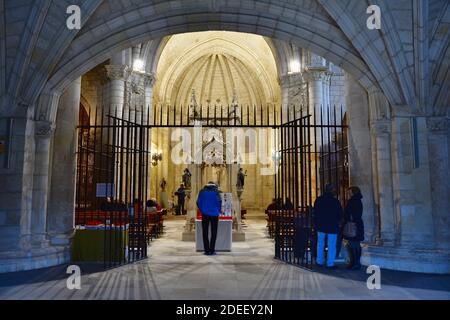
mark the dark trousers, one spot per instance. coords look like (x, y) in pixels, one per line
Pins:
(209, 245)
(355, 253)
(181, 204)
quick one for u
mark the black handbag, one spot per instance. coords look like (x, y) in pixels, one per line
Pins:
(350, 229)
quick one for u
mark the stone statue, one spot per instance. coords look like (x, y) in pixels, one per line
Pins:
(163, 194)
(187, 178)
(163, 185)
(241, 179)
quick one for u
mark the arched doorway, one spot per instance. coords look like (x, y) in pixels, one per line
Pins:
(216, 64)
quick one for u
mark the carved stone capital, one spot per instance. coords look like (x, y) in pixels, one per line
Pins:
(381, 127)
(316, 74)
(118, 72)
(292, 80)
(438, 124)
(44, 129)
(149, 79)
(136, 83)
(327, 77)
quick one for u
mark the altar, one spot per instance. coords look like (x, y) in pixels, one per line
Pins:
(214, 166)
(224, 235)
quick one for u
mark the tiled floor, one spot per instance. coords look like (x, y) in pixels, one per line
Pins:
(175, 271)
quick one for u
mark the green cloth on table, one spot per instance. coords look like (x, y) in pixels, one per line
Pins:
(89, 245)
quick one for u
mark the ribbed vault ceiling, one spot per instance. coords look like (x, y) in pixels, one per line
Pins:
(216, 65)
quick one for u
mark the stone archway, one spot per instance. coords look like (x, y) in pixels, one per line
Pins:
(308, 26)
(52, 57)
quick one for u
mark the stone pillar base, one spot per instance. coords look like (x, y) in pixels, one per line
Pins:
(61, 239)
(407, 259)
(15, 261)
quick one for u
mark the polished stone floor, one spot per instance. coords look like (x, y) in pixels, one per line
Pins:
(175, 271)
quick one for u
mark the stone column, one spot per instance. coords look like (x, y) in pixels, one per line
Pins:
(294, 94)
(43, 135)
(149, 82)
(360, 150)
(118, 74)
(316, 76)
(315, 73)
(294, 100)
(27, 165)
(61, 207)
(411, 181)
(439, 154)
(381, 131)
(326, 91)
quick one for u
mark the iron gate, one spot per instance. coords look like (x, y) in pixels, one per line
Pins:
(312, 151)
(113, 165)
(111, 190)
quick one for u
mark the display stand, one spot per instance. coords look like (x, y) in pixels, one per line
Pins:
(224, 235)
(224, 230)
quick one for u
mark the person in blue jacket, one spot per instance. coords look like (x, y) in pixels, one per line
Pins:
(209, 203)
(327, 216)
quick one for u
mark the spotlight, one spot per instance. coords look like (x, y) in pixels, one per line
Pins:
(294, 66)
(138, 65)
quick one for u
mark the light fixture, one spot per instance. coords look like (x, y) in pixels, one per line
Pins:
(294, 66)
(138, 65)
(156, 157)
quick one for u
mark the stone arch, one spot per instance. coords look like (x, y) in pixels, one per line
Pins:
(306, 25)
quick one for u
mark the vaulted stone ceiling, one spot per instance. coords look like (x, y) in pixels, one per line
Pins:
(217, 65)
(408, 59)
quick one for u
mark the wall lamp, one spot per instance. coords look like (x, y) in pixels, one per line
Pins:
(156, 157)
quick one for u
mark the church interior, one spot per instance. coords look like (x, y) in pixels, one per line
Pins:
(105, 149)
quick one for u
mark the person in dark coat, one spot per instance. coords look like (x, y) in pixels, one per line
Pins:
(273, 206)
(353, 213)
(181, 194)
(209, 203)
(327, 215)
(288, 204)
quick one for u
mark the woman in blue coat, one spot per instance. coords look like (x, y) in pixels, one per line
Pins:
(353, 213)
